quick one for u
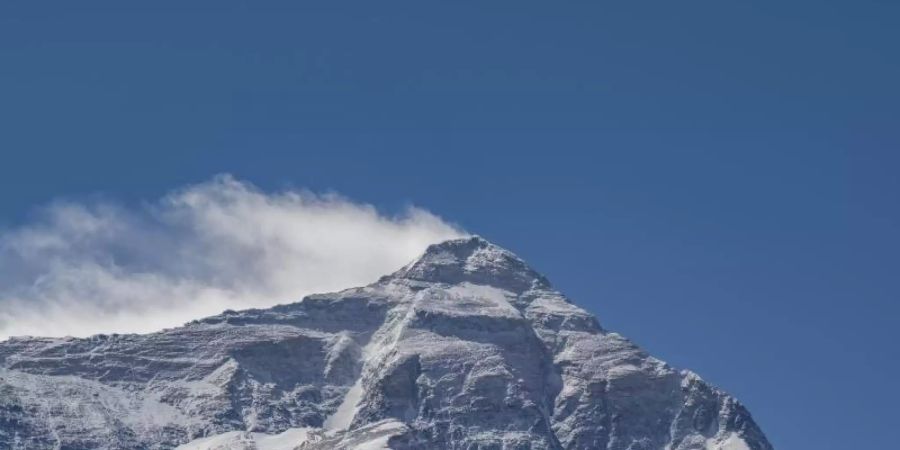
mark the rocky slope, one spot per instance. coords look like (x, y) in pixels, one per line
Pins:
(465, 348)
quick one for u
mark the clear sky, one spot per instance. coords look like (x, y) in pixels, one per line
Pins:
(715, 179)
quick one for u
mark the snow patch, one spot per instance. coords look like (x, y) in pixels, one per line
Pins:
(346, 411)
(384, 432)
(469, 290)
(342, 417)
(242, 440)
(380, 443)
(232, 440)
(732, 442)
(468, 299)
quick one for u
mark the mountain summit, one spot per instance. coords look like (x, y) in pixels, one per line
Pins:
(464, 348)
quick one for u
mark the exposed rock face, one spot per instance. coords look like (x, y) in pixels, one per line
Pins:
(465, 348)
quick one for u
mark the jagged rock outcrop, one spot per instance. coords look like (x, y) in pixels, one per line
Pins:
(465, 348)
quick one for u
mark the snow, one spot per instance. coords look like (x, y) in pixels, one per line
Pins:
(91, 402)
(286, 440)
(490, 293)
(382, 433)
(346, 411)
(374, 350)
(232, 440)
(341, 418)
(467, 299)
(732, 442)
(240, 440)
(380, 443)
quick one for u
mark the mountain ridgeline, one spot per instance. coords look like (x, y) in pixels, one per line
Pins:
(464, 348)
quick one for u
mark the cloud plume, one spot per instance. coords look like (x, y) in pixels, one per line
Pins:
(91, 267)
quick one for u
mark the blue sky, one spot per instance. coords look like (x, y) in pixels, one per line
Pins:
(716, 180)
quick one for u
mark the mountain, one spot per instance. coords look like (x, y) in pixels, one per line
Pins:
(464, 348)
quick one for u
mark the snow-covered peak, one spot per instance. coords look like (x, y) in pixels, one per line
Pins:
(473, 260)
(465, 348)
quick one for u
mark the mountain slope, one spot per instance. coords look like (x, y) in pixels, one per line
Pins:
(465, 348)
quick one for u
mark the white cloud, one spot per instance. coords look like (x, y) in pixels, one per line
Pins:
(84, 268)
